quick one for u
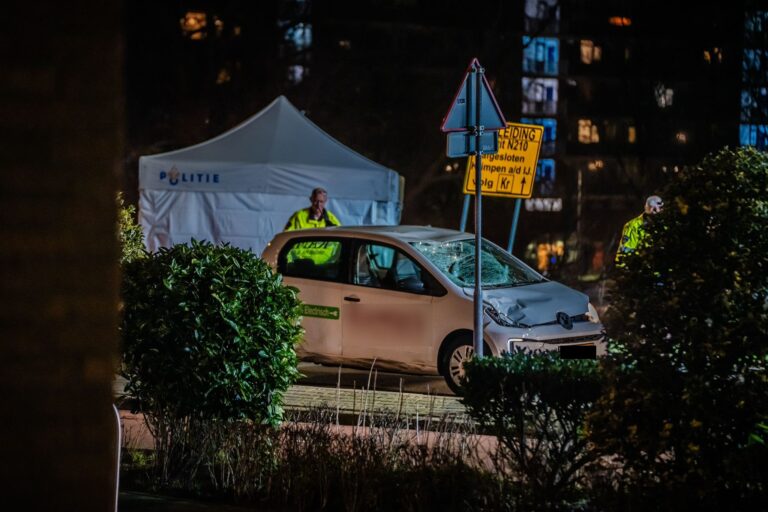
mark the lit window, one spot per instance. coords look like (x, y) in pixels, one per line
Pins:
(753, 65)
(631, 135)
(681, 137)
(714, 55)
(754, 135)
(664, 95)
(541, 55)
(540, 15)
(237, 31)
(585, 128)
(756, 22)
(545, 204)
(588, 133)
(620, 21)
(595, 165)
(192, 25)
(223, 76)
(541, 9)
(753, 102)
(540, 96)
(590, 52)
(297, 73)
(545, 176)
(299, 35)
(345, 44)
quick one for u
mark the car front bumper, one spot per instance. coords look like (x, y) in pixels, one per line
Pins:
(548, 337)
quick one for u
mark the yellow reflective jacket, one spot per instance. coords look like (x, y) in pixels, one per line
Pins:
(631, 236)
(318, 252)
(302, 220)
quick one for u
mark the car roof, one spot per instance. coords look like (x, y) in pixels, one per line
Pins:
(403, 233)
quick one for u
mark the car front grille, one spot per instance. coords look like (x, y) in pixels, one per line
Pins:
(575, 319)
(572, 339)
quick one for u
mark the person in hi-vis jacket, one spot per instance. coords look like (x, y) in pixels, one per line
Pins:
(634, 230)
(316, 216)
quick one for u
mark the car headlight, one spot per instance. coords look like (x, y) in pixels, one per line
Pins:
(499, 317)
(592, 315)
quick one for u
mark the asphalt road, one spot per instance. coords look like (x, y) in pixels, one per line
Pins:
(350, 378)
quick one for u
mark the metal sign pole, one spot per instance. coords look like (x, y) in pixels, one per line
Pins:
(465, 123)
(513, 230)
(478, 333)
(465, 212)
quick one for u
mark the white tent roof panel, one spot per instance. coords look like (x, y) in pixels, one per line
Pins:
(241, 186)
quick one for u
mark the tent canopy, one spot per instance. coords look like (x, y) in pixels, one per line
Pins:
(242, 186)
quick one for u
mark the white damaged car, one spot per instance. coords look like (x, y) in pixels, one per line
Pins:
(402, 297)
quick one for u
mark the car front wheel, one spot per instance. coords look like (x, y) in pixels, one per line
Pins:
(456, 353)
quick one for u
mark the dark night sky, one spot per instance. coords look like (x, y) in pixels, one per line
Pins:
(380, 75)
(383, 95)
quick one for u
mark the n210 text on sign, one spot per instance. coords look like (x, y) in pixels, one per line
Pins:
(512, 171)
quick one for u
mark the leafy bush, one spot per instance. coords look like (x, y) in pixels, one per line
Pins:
(208, 336)
(209, 331)
(536, 404)
(688, 385)
(129, 233)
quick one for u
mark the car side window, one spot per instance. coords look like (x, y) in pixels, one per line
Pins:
(385, 267)
(366, 272)
(318, 258)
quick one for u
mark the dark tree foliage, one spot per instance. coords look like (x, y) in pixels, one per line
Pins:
(688, 390)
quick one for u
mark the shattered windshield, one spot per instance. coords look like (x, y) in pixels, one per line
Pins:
(456, 260)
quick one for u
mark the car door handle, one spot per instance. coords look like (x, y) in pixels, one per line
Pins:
(352, 298)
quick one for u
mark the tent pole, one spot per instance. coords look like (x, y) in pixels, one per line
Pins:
(513, 230)
(465, 212)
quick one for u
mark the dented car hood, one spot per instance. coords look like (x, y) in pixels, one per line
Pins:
(535, 304)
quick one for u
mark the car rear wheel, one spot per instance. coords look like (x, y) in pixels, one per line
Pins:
(458, 351)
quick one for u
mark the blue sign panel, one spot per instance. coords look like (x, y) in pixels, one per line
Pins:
(462, 115)
(465, 143)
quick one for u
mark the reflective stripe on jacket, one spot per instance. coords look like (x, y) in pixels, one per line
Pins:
(319, 252)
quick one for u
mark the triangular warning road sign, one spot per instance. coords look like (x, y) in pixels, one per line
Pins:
(462, 115)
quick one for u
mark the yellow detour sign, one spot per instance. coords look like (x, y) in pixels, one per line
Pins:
(511, 171)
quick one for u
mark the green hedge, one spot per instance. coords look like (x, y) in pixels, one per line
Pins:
(536, 404)
(208, 331)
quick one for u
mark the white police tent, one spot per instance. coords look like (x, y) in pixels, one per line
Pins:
(242, 186)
